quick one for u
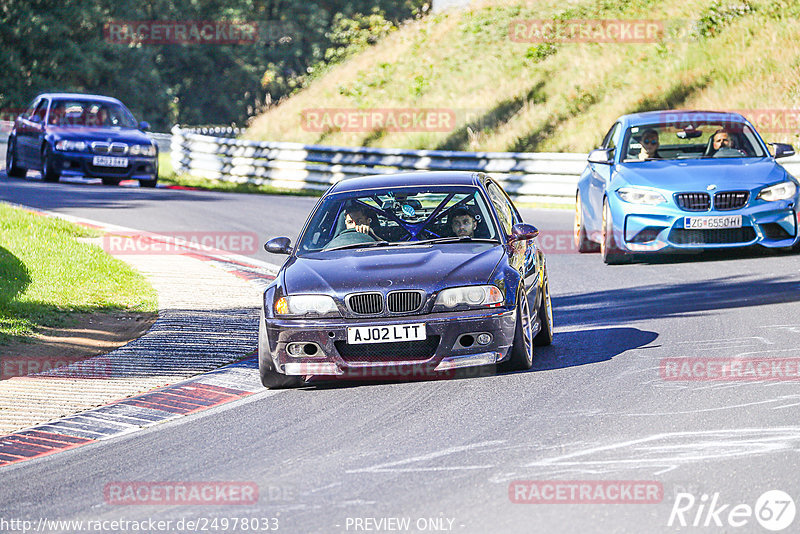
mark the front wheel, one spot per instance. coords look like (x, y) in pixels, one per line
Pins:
(272, 379)
(49, 172)
(12, 169)
(522, 349)
(609, 249)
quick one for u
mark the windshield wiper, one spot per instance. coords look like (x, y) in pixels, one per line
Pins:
(360, 245)
(451, 240)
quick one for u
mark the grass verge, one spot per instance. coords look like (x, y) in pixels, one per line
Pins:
(48, 277)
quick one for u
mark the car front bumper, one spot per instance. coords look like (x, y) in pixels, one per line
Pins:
(661, 229)
(443, 351)
(81, 164)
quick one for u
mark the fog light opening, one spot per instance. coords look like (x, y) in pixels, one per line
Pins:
(466, 340)
(310, 349)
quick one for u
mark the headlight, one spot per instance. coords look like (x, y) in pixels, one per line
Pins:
(781, 191)
(73, 146)
(142, 150)
(306, 305)
(470, 296)
(634, 195)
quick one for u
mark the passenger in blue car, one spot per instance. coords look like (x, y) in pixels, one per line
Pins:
(650, 144)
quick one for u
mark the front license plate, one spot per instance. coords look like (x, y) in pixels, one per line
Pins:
(702, 223)
(108, 161)
(386, 334)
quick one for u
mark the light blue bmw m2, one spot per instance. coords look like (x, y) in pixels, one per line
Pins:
(665, 181)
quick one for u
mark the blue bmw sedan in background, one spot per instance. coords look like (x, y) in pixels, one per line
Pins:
(665, 181)
(65, 134)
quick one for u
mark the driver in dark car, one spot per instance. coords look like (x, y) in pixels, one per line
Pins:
(357, 228)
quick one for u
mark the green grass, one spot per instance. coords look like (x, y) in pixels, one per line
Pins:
(556, 97)
(47, 276)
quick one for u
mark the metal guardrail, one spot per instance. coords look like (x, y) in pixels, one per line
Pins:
(531, 177)
(548, 177)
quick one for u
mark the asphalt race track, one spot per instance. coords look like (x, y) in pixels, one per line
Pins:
(598, 404)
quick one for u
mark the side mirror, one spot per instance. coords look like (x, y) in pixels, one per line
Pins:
(278, 245)
(522, 232)
(144, 126)
(604, 156)
(782, 150)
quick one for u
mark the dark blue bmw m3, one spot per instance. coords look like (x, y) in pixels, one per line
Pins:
(65, 134)
(414, 274)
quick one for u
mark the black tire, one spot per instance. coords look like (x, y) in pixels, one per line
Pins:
(110, 181)
(49, 173)
(272, 379)
(521, 358)
(148, 183)
(612, 254)
(12, 169)
(582, 241)
(545, 314)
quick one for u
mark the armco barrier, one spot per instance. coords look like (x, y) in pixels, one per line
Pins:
(542, 177)
(213, 152)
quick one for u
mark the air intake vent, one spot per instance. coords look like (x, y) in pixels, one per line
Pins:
(366, 303)
(693, 201)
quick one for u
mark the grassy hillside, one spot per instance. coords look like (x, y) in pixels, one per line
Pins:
(516, 96)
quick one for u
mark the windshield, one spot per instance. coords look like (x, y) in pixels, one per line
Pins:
(413, 216)
(691, 141)
(90, 113)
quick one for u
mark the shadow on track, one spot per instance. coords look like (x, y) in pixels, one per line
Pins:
(584, 347)
(659, 301)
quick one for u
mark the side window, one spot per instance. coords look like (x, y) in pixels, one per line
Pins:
(505, 212)
(39, 112)
(613, 137)
(29, 111)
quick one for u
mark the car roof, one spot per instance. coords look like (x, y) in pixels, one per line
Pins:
(412, 179)
(78, 96)
(680, 116)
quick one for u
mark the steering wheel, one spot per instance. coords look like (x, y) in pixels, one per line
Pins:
(351, 230)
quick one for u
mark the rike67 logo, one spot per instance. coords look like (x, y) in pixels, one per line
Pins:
(774, 510)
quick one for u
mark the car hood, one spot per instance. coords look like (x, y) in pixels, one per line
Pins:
(697, 175)
(81, 133)
(421, 267)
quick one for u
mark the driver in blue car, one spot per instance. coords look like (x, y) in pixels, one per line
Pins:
(650, 144)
